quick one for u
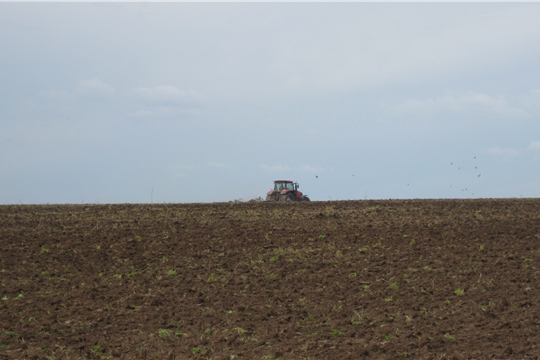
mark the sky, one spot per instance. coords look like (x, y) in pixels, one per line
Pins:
(211, 102)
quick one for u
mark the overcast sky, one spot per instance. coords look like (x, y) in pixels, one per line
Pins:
(210, 102)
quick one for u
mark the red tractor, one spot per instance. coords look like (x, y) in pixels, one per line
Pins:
(285, 190)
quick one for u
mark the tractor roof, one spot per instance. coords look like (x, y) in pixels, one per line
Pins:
(287, 181)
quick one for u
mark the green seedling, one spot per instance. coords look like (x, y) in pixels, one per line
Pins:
(459, 292)
(133, 272)
(164, 333)
(196, 351)
(96, 350)
(357, 318)
(240, 331)
(336, 333)
(449, 337)
(171, 272)
(387, 337)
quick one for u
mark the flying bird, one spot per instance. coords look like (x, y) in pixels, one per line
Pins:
(316, 176)
(479, 175)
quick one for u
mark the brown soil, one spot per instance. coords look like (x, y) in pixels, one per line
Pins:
(424, 279)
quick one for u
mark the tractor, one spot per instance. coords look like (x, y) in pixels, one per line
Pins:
(285, 190)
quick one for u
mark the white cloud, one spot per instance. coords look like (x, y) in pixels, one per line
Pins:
(308, 168)
(532, 99)
(219, 165)
(274, 168)
(509, 153)
(534, 145)
(165, 94)
(181, 171)
(469, 103)
(164, 101)
(57, 95)
(506, 152)
(153, 112)
(91, 88)
(282, 168)
(95, 87)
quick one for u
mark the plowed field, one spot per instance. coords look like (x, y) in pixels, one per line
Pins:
(422, 279)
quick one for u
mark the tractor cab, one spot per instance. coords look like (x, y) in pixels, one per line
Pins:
(281, 185)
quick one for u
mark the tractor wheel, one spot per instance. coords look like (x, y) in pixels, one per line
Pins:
(306, 198)
(269, 198)
(287, 197)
